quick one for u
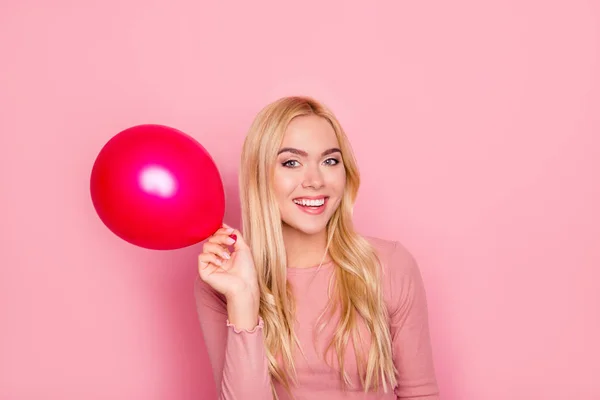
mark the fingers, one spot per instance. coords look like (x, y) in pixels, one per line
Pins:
(206, 269)
(222, 239)
(239, 242)
(215, 252)
(210, 258)
(217, 249)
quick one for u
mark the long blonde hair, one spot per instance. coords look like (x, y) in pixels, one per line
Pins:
(357, 290)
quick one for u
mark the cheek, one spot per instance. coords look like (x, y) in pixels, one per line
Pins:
(284, 184)
(337, 180)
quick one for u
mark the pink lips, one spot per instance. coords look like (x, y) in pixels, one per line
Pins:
(313, 210)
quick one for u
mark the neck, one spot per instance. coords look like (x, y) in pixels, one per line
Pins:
(303, 250)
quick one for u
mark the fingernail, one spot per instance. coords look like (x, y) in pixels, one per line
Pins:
(226, 255)
(202, 264)
(230, 230)
(234, 237)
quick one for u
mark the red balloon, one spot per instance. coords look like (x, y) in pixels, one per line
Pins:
(157, 188)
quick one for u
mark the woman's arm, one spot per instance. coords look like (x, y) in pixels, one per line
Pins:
(233, 336)
(410, 329)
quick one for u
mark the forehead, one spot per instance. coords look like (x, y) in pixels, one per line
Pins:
(310, 133)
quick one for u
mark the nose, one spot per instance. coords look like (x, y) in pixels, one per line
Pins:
(313, 178)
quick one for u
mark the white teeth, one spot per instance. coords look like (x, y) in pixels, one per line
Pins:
(310, 203)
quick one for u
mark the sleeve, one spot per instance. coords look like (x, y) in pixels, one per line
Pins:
(409, 322)
(237, 357)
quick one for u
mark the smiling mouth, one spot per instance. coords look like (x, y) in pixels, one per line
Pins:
(312, 206)
(311, 202)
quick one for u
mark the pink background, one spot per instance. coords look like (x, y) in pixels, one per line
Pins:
(476, 125)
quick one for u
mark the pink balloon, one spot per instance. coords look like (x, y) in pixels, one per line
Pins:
(157, 188)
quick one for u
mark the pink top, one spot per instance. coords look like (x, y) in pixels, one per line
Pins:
(238, 359)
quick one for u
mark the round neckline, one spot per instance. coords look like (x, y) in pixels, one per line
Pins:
(303, 270)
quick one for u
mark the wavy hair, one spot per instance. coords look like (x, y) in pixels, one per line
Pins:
(356, 290)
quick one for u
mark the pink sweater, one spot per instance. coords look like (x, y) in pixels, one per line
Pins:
(239, 363)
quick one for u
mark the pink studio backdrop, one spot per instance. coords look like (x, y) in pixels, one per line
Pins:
(476, 125)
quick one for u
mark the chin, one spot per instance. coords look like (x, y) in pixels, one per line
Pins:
(308, 228)
(309, 231)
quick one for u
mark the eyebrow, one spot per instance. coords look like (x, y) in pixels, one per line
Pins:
(305, 154)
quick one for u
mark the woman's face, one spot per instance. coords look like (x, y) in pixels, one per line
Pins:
(310, 177)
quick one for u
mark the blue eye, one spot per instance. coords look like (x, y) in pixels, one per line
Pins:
(289, 163)
(295, 163)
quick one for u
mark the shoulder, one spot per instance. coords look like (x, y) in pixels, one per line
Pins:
(396, 260)
(400, 275)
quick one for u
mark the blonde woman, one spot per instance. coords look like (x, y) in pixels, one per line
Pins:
(301, 306)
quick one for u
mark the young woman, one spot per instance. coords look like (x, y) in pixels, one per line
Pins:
(300, 306)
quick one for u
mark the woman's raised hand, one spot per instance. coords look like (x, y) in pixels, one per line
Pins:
(231, 273)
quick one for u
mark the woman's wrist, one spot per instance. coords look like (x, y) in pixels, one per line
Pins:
(242, 309)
